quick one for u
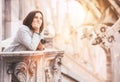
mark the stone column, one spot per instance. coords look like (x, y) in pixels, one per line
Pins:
(6, 18)
(0, 21)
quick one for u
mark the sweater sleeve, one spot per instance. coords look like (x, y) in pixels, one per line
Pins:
(28, 39)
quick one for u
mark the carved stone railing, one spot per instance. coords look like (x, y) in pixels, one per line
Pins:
(31, 66)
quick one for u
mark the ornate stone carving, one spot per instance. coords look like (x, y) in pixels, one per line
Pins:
(53, 72)
(23, 71)
(106, 36)
(48, 74)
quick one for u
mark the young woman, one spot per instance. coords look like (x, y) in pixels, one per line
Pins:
(29, 35)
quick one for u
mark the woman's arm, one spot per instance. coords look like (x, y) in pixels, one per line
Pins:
(28, 39)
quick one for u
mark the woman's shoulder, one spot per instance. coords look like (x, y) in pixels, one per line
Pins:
(24, 28)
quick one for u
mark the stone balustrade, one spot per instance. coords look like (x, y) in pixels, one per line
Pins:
(31, 66)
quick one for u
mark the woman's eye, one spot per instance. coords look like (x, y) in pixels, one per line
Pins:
(38, 17)
(35, 17)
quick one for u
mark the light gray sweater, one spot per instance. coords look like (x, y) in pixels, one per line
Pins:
(25, 40)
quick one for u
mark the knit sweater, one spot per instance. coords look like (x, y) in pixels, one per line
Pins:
(25, 40)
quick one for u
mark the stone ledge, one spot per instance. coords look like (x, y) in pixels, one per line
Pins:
(31, 53)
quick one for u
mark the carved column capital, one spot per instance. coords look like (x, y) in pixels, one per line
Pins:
(53, 71)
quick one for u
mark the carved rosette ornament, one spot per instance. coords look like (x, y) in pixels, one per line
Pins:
(53, 71)
(23, 71)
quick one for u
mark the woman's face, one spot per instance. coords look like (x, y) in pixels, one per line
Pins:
(37, 21)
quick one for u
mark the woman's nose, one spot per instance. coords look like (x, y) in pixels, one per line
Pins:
(39, 20)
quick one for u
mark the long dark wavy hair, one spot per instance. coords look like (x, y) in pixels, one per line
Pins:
(29, 18)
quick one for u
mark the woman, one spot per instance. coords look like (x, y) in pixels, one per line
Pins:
(29, 34)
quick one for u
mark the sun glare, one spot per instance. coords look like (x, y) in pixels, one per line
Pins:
(76, 13)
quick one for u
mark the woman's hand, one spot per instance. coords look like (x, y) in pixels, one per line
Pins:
(40, 47)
